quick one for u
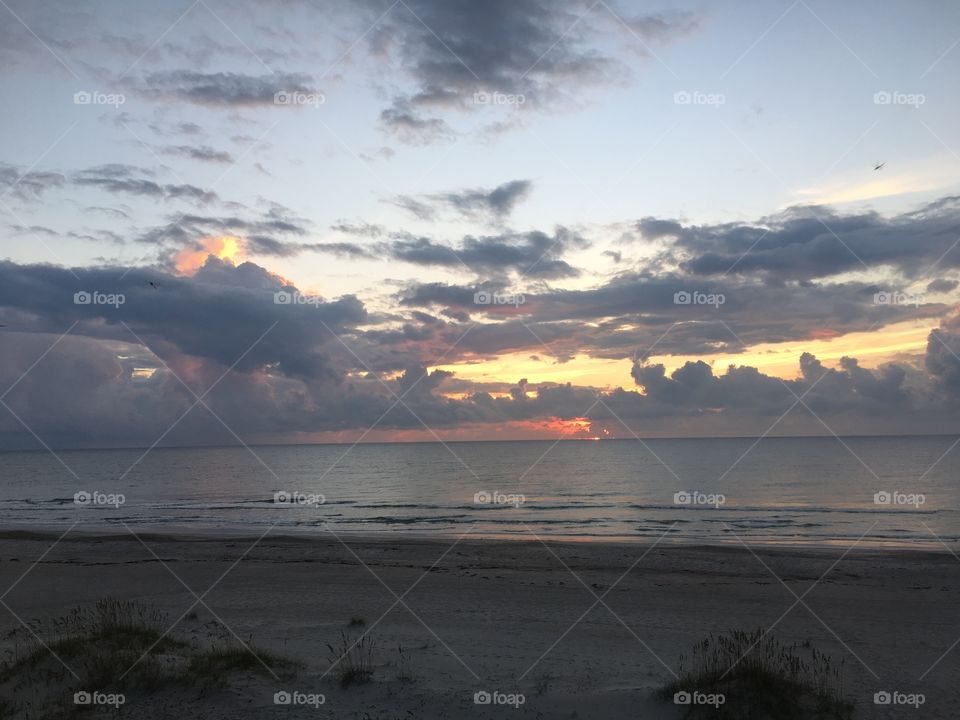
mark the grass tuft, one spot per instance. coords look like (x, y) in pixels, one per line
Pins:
(761, 677)
(353, 659)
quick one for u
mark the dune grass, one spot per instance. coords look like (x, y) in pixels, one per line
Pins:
(760, 677)
(114, 646)
(353, 660)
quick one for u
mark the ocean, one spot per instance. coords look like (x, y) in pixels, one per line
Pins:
(900, 491)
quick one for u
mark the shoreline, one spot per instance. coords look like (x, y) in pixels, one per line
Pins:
(182, 534)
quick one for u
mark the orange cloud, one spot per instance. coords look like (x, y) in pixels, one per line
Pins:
(222, 247)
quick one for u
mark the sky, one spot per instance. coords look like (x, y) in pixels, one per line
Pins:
(432, 220)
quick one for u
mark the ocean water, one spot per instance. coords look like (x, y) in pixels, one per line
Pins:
(775, 490)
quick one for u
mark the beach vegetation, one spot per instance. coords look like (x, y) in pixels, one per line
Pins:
(752, 675)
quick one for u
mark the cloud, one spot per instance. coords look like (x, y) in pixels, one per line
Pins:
(267, 246)
(29, 185)
(185, 228)
(534, 254)
(107, 382)
(544, 52)
(635, 311)
(213, 315)
(942, 285)
(203, 153)
(943, 357)
(127, 179)
(224, 89)
(490, 205)
(807, 243)
(410, 127)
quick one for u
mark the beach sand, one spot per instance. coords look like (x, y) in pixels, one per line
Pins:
(514, 617)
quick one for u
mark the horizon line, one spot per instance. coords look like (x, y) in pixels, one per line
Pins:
(498, 440)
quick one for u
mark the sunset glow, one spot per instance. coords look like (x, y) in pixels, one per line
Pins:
(223, 247)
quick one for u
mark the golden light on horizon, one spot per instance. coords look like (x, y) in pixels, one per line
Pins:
(871, 348)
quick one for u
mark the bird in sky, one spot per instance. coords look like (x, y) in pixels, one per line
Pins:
(153, 285)
(879, 166)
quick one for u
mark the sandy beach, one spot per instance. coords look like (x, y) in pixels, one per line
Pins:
(558, 630)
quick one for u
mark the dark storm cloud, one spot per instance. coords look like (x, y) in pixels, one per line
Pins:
(224, 88)
(479, 204)
(214, 315)
(806, 243)
(542, 51)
